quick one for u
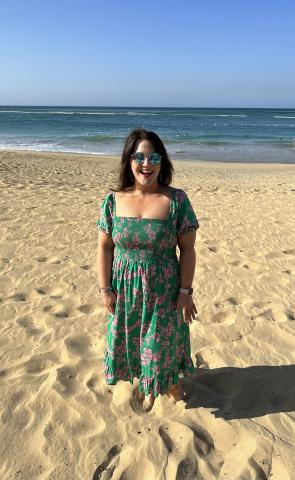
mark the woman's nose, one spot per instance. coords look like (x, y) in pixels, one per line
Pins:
(146, 161)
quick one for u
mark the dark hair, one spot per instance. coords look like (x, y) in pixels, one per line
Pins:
(126, 177)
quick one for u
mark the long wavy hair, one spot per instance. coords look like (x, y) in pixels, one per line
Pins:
(126, 177)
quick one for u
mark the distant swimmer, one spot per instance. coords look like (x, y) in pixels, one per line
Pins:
(178, 134)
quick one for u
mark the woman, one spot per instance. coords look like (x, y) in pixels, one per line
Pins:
(143, 285)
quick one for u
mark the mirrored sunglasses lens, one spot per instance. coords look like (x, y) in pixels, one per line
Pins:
(139, 157)
(155, 157)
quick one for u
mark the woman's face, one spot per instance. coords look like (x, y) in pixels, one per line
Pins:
(146, 147)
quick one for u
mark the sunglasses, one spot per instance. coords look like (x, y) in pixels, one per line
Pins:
(153, 157)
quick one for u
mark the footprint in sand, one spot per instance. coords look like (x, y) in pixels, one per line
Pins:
(289, 272)
(40, 363)
(213, 248)
(55, 293)
(248, 265)
(289, 252)
(50, 260)
(87, 308)
(106, 469)
(277, 315)
(231, 301)
(27, 324)
(77, 344)
(238, 300)
(226, 318)
(35, 293)
(237, 263)
(85, 267)
(59, 310)
(205, 449)
(179, 464)
(272, 255)
(188, 466)
(19, 297)
(4, 260)
(66, 383)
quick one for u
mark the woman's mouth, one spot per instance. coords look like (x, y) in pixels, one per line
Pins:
(146, 173)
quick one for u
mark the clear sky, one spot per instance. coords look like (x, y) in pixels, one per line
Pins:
(185, 53)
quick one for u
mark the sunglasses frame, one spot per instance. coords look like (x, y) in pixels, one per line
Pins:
(149, 157)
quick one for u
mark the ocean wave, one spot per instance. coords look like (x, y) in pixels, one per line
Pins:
(51, 112)
(135, 114)
(281, 116)
(202, 115)
(53, 149)
(97, 138)
(128, 113)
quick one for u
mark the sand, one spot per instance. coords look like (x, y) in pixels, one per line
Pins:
(59, 420)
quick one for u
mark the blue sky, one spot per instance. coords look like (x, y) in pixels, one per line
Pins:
(157, 53)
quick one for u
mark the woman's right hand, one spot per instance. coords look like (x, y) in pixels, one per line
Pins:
(109, 300)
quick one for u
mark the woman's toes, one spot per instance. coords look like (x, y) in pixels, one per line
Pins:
(138, 395)
(176, 393)
(148, 403)
(141, 396)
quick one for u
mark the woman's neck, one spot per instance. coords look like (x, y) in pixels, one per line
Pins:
(146, 189)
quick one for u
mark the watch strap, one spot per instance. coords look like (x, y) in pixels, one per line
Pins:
(187, 291)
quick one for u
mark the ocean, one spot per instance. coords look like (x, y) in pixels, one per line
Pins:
(215, 134)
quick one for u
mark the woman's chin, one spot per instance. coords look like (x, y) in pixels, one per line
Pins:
(146, 180)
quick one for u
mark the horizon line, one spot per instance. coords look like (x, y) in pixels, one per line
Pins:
(144, 107)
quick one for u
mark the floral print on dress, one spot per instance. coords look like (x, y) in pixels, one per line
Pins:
(147, 337)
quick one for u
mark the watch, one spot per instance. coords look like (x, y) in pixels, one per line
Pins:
(188, 291)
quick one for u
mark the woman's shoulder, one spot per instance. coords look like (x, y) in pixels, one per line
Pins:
(179, 193)
(110, 196)
(108, 200)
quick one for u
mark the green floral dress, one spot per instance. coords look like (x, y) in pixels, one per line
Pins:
(147, 337)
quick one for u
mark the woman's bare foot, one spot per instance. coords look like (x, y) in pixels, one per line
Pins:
(148, 402)
(176, 392)
(138, 395)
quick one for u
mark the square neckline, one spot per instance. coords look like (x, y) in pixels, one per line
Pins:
(145, 218)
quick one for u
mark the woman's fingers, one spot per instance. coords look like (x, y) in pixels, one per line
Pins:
(190, 311)
(112, 307)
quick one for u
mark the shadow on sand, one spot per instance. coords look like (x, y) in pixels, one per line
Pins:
(242, 392)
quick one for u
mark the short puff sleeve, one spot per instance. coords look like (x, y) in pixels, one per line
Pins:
(105, 220)
(186, 217)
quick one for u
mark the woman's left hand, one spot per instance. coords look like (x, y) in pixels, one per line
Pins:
(186, 302)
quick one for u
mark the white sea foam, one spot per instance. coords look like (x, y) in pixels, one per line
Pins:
(52, 148)
(281, 116)
(60, 112)
(170, 114)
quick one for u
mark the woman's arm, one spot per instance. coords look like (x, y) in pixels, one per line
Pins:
(187, 259)
(105, 255)
(187, 264)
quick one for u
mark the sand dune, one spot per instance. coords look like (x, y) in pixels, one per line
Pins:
(59, 420)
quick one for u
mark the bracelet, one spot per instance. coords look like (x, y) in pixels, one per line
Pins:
(104, 289)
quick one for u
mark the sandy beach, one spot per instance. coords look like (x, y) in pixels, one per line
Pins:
(59, 420)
